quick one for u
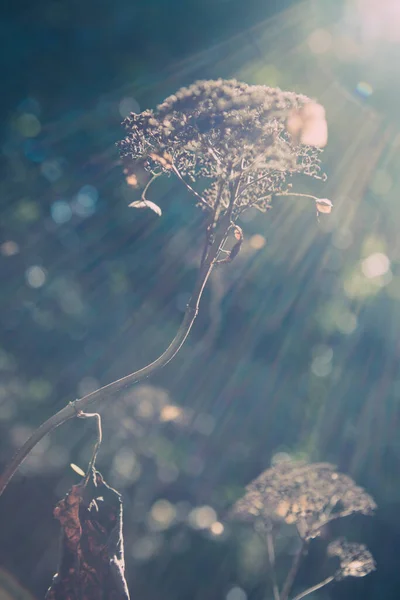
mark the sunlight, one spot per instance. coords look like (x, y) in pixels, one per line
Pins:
(378, 19)
(272, 267)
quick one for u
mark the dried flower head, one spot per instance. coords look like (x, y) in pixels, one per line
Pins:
(246, 140)
(307, 495)
(355, 559)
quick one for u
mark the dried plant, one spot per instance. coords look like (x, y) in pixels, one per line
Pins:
(307, 496)
(232, 146)
(234, 138)
(240, 145)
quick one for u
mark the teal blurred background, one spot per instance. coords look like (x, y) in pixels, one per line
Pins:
(296, 346)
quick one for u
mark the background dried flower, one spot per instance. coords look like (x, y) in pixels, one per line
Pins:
(306, 495)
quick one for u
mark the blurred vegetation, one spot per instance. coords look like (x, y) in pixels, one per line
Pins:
(296, 347)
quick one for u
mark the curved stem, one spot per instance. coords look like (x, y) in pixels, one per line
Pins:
(314, 588)
(143, 196)
(78, 406)
(297, 195)
(191, 190)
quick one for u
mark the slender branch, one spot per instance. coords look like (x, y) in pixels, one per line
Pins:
(287, 586)
(217, 205)
(253, 164)
(314, 588)
(265, 534)
(297, 195)
(76, 407)
(211, 221)
(246, 187)
(189, 187)
(143, 196)
(271, 558)
(213, 151)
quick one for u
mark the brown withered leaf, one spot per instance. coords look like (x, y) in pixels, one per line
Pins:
(92, 552)
(324, 205)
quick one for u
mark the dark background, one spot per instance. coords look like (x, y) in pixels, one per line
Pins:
(296, 346)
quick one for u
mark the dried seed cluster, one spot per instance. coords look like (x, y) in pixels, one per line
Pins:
(307, 495)
(227, 131)
(355, 559)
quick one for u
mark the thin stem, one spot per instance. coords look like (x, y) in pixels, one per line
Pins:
(217, 204)
(212, 220)
(271, 558)
(314, 588)
(216, 214)
(297, 195)
(246, 187)
(143, 196)
(78, 406)
(213, 151)
(189, 187)
(287, 586)
(83, 415)
(253, 164)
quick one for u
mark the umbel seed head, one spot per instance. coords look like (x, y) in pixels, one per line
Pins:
(355, 559)
(306, 495)
(224, 131)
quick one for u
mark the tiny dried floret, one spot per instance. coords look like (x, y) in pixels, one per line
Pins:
(220, 130)
(355, 559)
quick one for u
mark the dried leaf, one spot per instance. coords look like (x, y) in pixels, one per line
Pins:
(238, 233)
(92, 560)
(77, 469)
(147, 204)
(324, 205)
